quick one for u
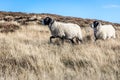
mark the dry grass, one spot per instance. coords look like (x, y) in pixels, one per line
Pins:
(26, 54)
(6, 27)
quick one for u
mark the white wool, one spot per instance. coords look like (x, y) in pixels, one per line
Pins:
(105, 31)
(69, 30)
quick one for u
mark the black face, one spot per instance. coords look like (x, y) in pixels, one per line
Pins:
(95, 24)
(47, 21)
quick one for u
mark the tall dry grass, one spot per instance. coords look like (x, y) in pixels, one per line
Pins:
(26, 54)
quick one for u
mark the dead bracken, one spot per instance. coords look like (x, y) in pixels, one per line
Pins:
(8, 27)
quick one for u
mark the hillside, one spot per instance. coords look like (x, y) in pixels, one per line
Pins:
(24, 17)
(26, 54)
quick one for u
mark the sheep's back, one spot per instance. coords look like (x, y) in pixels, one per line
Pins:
(107, 28)
(72, 29)
(66, 29)
(106, 31)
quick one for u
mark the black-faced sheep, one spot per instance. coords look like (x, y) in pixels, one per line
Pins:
(62, 30)
(103, 31)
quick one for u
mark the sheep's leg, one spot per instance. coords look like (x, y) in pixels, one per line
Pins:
(95, 36)
(77, 41)
(51, 38)
(72, 41)
(62, 40)
(96, 39)
(80, 40)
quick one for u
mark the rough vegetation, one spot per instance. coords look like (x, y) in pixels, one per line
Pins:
(24, 18)
(8, 27)
(26, 54)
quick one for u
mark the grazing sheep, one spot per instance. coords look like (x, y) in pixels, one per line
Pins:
(103, 31)
(62, 30)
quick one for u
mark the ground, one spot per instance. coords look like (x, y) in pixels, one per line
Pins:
(27, 54)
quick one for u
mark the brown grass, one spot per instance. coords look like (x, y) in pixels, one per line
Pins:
(6, 27)
(25, 18)
(26, 54)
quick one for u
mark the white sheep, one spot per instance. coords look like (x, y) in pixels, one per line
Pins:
(62, 30)
(103, 31)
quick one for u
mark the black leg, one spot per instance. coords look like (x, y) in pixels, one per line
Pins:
(96, 39)
(80, 40)
(72, 41)
(63, 39)
(77, 40)
(51, 38)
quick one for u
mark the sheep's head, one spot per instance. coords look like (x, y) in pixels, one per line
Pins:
(95, 24)
(47, 21)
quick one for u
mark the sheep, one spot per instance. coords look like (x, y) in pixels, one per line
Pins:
(103, 31)
(62, 30)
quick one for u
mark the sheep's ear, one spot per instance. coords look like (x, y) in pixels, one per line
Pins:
(47, 19)
(91, 25)
(52, 21)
